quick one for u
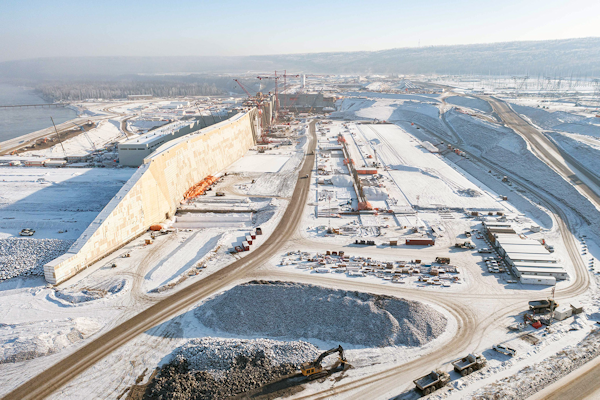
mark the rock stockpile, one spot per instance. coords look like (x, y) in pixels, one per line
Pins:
(210, 368)
(295, 311)
(26, 257)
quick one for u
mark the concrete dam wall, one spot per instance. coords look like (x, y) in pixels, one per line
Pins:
(153, 193)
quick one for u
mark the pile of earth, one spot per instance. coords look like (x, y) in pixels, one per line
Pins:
(299, 311)
(211, 368)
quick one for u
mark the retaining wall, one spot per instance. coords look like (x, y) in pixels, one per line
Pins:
(153, 193)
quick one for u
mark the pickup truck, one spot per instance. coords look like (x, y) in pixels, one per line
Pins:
(484, 250)
(432, 381)
(509, 351)
(470, 363)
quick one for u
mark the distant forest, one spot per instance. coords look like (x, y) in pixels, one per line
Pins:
(554, 58)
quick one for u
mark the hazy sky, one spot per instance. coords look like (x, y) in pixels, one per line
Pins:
(32, 28)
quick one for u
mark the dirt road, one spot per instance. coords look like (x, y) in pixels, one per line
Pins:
(64, 371)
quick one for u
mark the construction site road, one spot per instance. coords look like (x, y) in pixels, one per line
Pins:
(558, 159)
(57, 375)
(580, 384)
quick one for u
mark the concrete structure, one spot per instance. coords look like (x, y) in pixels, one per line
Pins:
(133, 152)
(305, 101)
(155, 190)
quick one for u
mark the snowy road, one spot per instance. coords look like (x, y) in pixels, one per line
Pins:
(562, 162)
(67, 369)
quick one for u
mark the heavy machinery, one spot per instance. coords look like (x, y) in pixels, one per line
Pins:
(314, 369)
(442, 260)
(540, 306)
(432, 381)
(465, 245)
(470, 363)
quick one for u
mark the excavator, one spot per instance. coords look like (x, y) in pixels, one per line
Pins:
(314, 369)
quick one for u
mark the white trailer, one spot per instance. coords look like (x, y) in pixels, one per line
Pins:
(557, 273)
(563, 312)
(538, 280)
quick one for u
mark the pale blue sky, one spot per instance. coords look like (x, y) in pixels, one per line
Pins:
(32, 28)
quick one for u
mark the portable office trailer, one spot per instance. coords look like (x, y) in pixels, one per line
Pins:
(528, 264)
(538, 280)
(559, 274)
(563, 312)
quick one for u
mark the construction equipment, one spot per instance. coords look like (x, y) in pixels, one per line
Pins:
(539, 306)
(314, 369)
(470, 363)
(27, 232)
(442, 260)
(432, 381)
(508, 351)
(465, 245)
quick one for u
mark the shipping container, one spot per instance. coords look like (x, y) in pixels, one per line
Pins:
(366, 171)
(420, 242)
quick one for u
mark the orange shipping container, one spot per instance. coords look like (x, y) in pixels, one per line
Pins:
(366, 171)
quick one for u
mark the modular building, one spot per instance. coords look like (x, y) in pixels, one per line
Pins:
(531, 258)
(503, 249)
(558, 273)
(538, 280)
(536, 265)
(563, 312)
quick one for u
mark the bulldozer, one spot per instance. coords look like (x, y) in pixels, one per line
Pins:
(314, 369)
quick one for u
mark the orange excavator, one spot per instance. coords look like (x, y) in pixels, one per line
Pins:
(314, 369)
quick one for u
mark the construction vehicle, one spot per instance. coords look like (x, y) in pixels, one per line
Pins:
(470, 363)
(539, 306)
(314, 369)
(432, 381)
(465, 245)
(442, 260)
(508, 351)
(27, 232)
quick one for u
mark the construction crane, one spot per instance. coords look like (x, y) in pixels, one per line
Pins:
(244, 89)
(314, 369)
(86, 135)
(276, 78)
(256, 100)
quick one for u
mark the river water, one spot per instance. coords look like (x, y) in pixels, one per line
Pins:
(15, 122)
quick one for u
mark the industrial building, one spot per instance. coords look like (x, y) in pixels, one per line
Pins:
(133, 151)
(528, 258)
(306, 101)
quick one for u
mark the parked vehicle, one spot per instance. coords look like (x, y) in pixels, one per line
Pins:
(470, 363)
(542, 305)
(509, 351)
(484, 250)
(432, 381)
(27, 232)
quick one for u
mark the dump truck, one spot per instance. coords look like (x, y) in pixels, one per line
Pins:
(470, 363)
(442, 260)
(432, 381)
(538, 306)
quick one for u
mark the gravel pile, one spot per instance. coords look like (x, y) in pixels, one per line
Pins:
(291, 310)
(26, 257)
(217, 354)
(241, 365)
